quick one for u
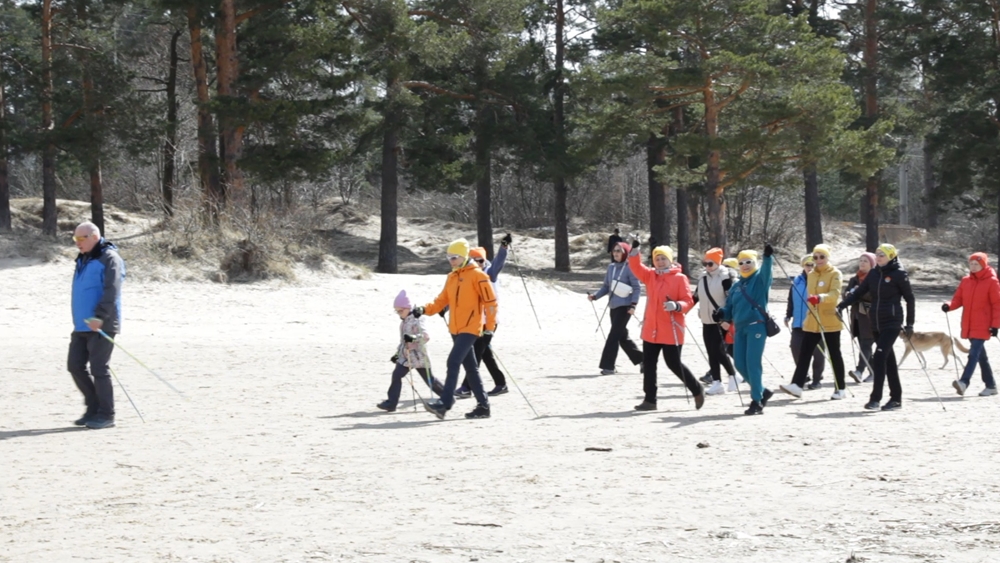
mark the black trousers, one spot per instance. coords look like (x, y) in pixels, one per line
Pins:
(484, 355)
(809, 342)
(98, 393)
(672, 356)
(618, 336)
(885, 367)
(715, 345)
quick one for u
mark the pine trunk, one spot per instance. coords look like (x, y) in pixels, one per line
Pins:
(5, 221)
(387, 256)
(559, 182)
(484, 161)
(870, 58)
(170, 144)
(49, 219)
(683, 229)
(230, 134)
(930, 189)
(97, 196)
(208, 158)
(814, 219)
(656, 156)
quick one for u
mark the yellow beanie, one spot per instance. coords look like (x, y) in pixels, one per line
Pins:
(459, 247)
(822, 249)
(744, 254)
(665, 251)
(731, 263)
(807, 259)
(889, 250)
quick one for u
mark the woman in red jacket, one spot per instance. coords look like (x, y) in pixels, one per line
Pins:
(979, 294)
(668, 298)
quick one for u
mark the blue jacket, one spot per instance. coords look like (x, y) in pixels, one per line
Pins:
(738, 308)
(97, 288)
(621, 272)
(797, 301)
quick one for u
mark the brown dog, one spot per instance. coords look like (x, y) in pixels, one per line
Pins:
(922, 341)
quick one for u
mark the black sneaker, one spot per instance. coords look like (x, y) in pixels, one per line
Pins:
(463, 392)
(386, 406)
(871, 406)
(83, 420)
(767, 397)
(481, 411)
(99, 423)
(437, 408)
(814, 385)
(707, 378)
(892, 406)
(646, 406)
(498, 390)
(755, 408)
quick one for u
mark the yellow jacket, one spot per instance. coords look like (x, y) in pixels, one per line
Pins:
(826, 283)
(469, 296)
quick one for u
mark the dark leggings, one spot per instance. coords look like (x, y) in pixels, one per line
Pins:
(715, 345)
(484, 355)
(672, 356)
(809, 342)
(618, 336)
(884, 365)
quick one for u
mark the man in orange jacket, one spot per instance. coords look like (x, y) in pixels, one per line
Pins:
(469, 296)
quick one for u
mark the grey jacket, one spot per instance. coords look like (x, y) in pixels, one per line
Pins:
(620, 272)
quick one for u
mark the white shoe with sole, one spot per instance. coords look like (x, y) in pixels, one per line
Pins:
(959, 386)
(856, 375)
(716, 389)
(988, 392)
(792, 389)
(838, 395)
(732, 384)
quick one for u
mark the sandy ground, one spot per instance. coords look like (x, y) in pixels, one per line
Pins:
(278, 453)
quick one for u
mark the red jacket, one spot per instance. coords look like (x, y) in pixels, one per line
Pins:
(659, 326)
(979, 293)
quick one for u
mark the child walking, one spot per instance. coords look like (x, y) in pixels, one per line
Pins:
(410, 353)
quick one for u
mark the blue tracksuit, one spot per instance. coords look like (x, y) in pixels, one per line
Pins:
(748, 345)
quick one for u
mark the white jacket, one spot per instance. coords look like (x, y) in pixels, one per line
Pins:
(719, 283)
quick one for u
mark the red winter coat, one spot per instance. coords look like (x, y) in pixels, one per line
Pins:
(979, 293)
(659, 326)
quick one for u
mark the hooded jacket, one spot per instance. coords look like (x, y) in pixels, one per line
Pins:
(861, 322)
(622, 273)
(97, 288)
(979, 293)
(824, 281)
(659, 326)
(757, 286)
(469, 295)
(411, 354)
(796, 308)
(887, 285)
(718, 284)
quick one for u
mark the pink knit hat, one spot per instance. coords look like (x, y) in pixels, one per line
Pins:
(871, 258)
(402, 301)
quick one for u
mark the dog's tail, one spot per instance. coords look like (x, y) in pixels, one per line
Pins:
(960, 346)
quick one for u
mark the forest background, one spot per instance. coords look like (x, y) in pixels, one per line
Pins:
(703, 122)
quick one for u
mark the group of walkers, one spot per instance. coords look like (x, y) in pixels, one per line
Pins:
(732, 308)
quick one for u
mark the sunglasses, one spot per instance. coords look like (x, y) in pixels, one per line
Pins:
(819, 257)
(746, 262)
(480, 260)
(454, 257)
(77, 238)
(809, 265)
(708, 264)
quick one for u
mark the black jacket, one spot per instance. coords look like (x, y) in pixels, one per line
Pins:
(886, 285)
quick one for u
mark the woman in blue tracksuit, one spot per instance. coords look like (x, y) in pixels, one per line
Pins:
(623, 289)
(796, 314)
(753, 287)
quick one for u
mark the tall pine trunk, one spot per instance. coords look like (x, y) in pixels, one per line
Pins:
(558, 118)
(230, 134)
(208, 159)
(93, 152)
(870, 58)
(387, 256)
(814, 219)
(5, 221)
(49, 219)
(170, 143)
(656, 156)
(683, 229)
(717, 236)
(484, 161)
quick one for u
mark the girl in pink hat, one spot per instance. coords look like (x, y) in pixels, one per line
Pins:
(410, 353)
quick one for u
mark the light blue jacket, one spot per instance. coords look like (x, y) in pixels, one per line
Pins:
(621, 272)
(97, 288)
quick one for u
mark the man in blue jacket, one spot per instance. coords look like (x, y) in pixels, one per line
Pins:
(96, 305)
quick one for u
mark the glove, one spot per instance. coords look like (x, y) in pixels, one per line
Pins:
(993, 331)
(441, 314)
(787, 320)
(671, 306)
(717, 315)
(813, 299)
(768, 250)
(394, 358)
(908, 330)
(945, 308)
(487, 333)
(590, 296)
(635, 244)
(506, 240)
(417, 311)
(409, 338)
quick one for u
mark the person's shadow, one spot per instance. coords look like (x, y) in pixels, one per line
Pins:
(9, 434)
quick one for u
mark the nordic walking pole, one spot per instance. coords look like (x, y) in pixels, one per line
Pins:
(695, 340)
(511, 248)
(863, 358)
(138, 361)
(923, 366)
(514, 380)
(127, 395)
(957, 376)
(677, 343)
(600, 321)
(599, 325)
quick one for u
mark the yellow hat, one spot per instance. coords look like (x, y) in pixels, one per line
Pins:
(665, 251)
(822, 249)
(744, 254)
(889, 250)
(459, 247)
(731, 263)
(807, 259)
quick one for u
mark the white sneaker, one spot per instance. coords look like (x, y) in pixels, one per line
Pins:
(732, 384)
(856, 375)
(988, 392)
(792, 389)
(716, 389)
(959, 386)
(838, 395)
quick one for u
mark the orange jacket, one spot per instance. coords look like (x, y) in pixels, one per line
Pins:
(659, 326)
(979, 293)
(469, 296)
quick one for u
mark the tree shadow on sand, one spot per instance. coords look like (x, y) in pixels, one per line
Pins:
(8, 434)
(681, 421)
(577, 376)
(428, 421)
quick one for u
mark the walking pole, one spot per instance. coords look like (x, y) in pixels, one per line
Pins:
(600, 321)
(138, 361)
(511, 248)
(514, 380)
(957, 376)
(863, 358)
(127, 395)
(599, 325)
(673, 327)
(409, 377)
(923, 366)
(693, 339)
